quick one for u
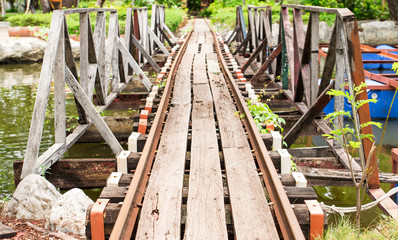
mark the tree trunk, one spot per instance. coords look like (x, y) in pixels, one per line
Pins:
(3, 10)
(393, 7)
(100, 3)
(45, 5)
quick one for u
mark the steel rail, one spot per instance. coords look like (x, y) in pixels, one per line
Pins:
(127, 217)
(287, 220)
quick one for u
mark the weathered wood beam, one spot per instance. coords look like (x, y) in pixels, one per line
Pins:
(134, 65)
(39, 112)
(145, 54)
(309, 116)
(269, 60)
(93, 113)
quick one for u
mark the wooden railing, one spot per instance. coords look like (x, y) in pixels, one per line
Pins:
(104, 58)
(306, 84)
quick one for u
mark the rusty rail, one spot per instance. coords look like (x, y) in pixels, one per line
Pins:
(128, 213)
(287, 220)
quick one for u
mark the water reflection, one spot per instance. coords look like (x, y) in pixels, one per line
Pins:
(18, 85)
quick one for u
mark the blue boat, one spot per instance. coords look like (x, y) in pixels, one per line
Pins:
(376, 90)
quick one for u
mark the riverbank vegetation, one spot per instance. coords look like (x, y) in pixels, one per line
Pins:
(224, 11)
(387, 228)
(174, 16)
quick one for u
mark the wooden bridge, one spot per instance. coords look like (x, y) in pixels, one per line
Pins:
(197, 165)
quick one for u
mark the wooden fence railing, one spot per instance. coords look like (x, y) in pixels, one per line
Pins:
(303, 80)
(103, 60)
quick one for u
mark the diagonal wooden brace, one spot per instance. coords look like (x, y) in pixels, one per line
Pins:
(269, 60)
(309, 116)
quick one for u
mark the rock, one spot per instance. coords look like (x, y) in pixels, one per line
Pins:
(27, 49)
(33, 199)
(69, 212)
(378, 32)
(325, 32)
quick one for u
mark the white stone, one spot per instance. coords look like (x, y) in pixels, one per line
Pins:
(28, 49)
(32, 199)
(69, 213)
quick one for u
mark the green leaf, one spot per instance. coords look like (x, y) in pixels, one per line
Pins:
(371, 123)
(354, 145)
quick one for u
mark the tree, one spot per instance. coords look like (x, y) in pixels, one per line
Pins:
(393, 8)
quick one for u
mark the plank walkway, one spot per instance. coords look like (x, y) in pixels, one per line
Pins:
(206, 215)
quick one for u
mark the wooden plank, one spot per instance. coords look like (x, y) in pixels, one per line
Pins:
(314, 56)
(182, 80)
(252, 29)
(101, 86)
(6, 231)
(308, 116)
(134, 65)
(269, 61)
(93, 113)
(207, 48)
(158, 42)
(205, 205)
(340, 74)
(251, 215)
(84, 55)
(43, 90)
(387, 205)
(112, 64)
(199, 68)
(355, 75)
(59, 90)
(289, 45)
(145, 54)
(161, 210)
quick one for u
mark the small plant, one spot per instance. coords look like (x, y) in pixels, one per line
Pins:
(351, 138)
(42, 32)
(262, 114)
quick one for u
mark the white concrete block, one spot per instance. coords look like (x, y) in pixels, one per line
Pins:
(285, 161)
(155, 89)
(132, 141)
(113, 180)
(121, 161)
(300, 179)
(276, 140)
(149, 100)
(248, 86)
(251, 93)
(152, 95)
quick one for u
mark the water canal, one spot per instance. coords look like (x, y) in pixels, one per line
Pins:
(18, 85)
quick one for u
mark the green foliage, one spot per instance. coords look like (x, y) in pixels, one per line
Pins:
(38, 19)
(170, 3)
(387, 228)
(262, 114)
(341, 132)
(363, 9)
(174, 17)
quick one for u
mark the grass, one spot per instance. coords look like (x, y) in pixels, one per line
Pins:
(174, 17)
(386, 228)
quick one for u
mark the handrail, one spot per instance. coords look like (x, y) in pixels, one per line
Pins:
(101, 73)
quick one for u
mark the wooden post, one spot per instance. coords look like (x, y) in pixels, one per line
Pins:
(314, 57)
(3, 9)
(59, 89)
(358, 77)
(394, 162)
(43, 90)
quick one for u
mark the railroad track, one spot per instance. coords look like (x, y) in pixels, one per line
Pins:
(208, 187)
